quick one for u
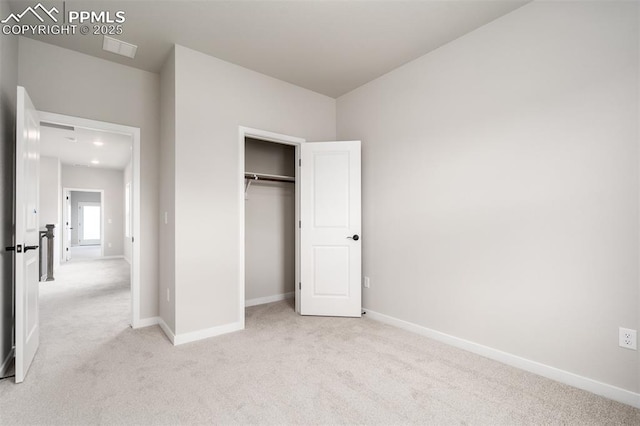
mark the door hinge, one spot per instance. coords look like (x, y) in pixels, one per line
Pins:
(299, 286)
(299, 224)
(300, 162)
(131, 240)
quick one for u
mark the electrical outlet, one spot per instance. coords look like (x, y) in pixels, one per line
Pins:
(627, 338)
(168, 298)
(367, 282)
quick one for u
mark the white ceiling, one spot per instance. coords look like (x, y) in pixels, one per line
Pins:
(77, 147)
(330, 47)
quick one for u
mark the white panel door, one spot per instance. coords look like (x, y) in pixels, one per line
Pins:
(330, 245)
(27, 328)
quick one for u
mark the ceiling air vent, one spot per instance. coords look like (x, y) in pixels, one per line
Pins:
(119, 47)
(57, 126)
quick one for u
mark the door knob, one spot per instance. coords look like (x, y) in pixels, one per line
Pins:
(27, 248)
(10, 248)
(355, 237)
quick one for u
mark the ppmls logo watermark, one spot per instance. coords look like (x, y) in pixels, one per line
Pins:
(52, 22)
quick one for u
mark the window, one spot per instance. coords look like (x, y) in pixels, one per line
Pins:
(90, 222)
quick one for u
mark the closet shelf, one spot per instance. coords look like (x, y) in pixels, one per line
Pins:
(268, 177)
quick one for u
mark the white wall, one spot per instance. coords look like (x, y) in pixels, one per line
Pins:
(71, 83)
(213, 98)
(51, 201)
(76, 198)
(8, 83)
(127, 177)
(50, 195)
(111, 182)
(500, 193)
(167, 249)
(269, 222)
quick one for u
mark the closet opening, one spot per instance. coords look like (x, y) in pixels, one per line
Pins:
(270, 243)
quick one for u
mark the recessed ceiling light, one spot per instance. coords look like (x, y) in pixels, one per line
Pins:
(119, 47)
(98, 143)
(95, 162)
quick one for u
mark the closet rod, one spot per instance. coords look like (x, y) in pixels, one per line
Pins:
(272, 178)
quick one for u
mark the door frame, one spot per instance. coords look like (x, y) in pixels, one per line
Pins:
(65, 244)
(264, 135)
(134, 132)
(65, 190)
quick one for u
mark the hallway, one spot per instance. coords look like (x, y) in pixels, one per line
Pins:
(77, 288)
(85, 310)
(87, 303)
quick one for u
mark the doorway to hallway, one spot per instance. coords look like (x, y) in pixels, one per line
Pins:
(83, 229)
(107, 162)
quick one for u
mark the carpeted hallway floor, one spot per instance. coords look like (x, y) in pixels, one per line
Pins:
(92, 368)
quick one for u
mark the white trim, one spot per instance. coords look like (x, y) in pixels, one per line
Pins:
(65, 217)
(6, 364)
(59, 226)
(244, 132)
(269, 299)
(134, 132)
(180, 339)
(146, 322)
(608, 391)
(136, 259)
(167, 331)
(93, 259)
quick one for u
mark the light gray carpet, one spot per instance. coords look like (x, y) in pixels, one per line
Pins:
(283, 369)
(84, 252)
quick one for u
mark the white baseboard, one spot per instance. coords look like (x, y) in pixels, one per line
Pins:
(146, 322)
(268, 299)
(608, 391)
(94, 259)
(6, 363)
(180, 339)
(163, 325)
